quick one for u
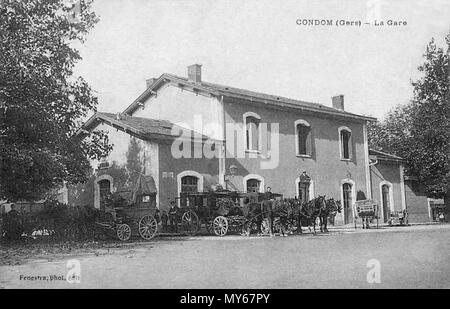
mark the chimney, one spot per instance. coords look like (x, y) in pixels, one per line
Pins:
(338, 102)
(150, 82)
(195, 73)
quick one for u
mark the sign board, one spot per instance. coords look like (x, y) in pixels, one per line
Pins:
(366, 208)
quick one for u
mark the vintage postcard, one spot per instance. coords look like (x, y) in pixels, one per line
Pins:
(194, 144)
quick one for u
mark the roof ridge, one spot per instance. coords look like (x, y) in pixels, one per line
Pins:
(251, 95)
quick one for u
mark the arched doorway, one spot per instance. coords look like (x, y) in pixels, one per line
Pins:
(347, 194)
(386, 201)
(105, 189)
(304, 187)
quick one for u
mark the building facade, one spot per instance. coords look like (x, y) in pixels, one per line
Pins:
(191, 135)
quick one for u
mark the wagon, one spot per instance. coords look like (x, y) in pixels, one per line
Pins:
(398, 218)
(129, 213)
(218, 212)
(367, 210)
(221, 212)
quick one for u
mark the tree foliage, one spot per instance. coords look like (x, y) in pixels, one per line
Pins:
(420, 130)
(42, 102)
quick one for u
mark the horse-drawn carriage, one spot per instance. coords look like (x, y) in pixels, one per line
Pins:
(218, 212)
(128, 213)
(223, 212)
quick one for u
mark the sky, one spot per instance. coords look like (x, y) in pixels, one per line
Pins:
(258, 45)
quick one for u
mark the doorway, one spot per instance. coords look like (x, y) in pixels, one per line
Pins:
(386, 201)
(348, 201)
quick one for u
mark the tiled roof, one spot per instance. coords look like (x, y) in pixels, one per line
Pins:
(144, 128)
(384, 155)
(227, 91)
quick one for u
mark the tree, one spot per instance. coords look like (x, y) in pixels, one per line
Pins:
(420, 130)
(42, 102)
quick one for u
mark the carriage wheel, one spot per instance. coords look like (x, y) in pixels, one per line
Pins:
(291, 226)
(123, 232)
(265, 228)
(220, 226)
(147, 227)
(190, 222)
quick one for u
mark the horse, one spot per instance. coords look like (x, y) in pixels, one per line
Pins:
(311, 210)
(292, 208)
(267, 210)
(332, 207)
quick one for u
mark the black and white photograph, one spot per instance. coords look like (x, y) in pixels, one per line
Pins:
(240, 147)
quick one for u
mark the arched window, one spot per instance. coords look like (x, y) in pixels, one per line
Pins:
(303, 142)
(189, 181)
(253, 183)
(252, 131)
(189, 184)
(345, 142)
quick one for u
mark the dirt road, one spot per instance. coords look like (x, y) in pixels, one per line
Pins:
(409, 257)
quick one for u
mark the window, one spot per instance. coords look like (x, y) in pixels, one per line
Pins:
(253, 185)
(345, 138)
(303, 143)
(189, 184)
(252, 131)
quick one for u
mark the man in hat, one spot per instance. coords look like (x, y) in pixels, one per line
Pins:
(173, 216)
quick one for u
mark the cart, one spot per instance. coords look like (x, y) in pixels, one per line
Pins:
(367, 210)
(398, 218)
(218, 212)
(129, 213)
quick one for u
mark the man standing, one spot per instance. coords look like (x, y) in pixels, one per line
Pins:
(173, 217)
(267, 204)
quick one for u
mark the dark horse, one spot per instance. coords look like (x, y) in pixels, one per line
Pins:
(310, 211)
(267, 211)
(306, 213)
(330, 209)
